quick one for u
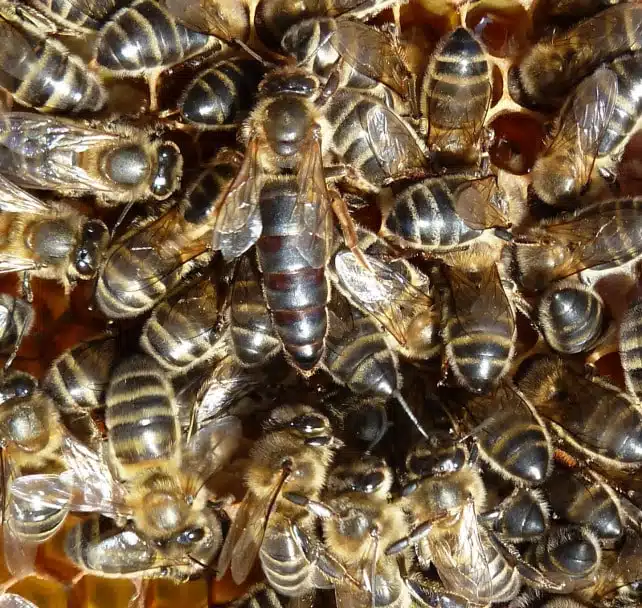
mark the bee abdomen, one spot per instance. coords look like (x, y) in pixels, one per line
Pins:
(505, 581)
(219, 94)
(145, 36)
(284, 563)
(140, 414)
(631, 348)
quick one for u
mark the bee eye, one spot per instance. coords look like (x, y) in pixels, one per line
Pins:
(190, 536)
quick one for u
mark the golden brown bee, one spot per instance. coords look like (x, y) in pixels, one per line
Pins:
(40, 72)
(552, 67)
(576, 408)
(152, 258)
(144, 39)
(82, 16)
(115, 164)
(51, 240)
(601, 236)
(292, 456)
(443, 213)
(455, 98)
(571, 316)
(630, 337)
(16, 319)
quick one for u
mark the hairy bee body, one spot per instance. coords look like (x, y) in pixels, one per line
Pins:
(630, 347)
(522, 516)
(221, 94)
(79, 15)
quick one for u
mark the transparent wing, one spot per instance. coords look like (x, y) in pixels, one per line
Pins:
(227, 19)
(97, 9)
(12, 600)
(14, 199)
(392, 141)
(475, 201)
(385, 294)
(14, 263)
(19, 555)
(17, 55)
(50, 491)
(238, 222)
(460, 558)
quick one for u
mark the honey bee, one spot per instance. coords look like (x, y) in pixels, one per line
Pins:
(143, 38)
(186, 328)
(51, 240)
(575, 408)
(552, 67)
(569, 555)
(365, 58)
(358, 522)
(563, 172)
(601, 236)
(292, 456)
(629, 338)
(477, 317)
(41, 73)
(251, 331)
(510, 435)
(523, 516)
(584, 498)
(443, 213)
(80, 16)
(115, 164)
(16, 320)
(571, 316)
(455, 98)
(578, 8)
(221, 94)
(152, 258)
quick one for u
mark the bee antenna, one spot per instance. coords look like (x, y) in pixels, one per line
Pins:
(252, 53)
(404, 404)
(206, 567)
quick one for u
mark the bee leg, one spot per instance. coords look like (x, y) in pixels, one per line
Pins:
(342, 214)
(139, 597)
(608, 344)
(25, 287)
(152, 83)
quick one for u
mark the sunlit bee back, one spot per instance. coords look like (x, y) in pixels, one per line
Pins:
(41, 73)
(221, 94)
(83, 15)
(141, 417)
(251, 331)
(455, 96)
(571, 316)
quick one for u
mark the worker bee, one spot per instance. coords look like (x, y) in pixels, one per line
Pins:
(115, 164)
(41, 73)
(455, 98)
(600, 236)
(510, 435)
(366, 58)
(563, 172)
(221, 94)
(16, 320)
(443, 213)
(51, 240)
(80, 16)
(477, 318)
(152, 257)
(358, 523)
(523, 516)
(568, 555)
(143, 38)
(251, 332)
(292, 456)
(186, 328)
(629, 338)
(552, 67)
(575, 407)
(583, 498)
(571, 316)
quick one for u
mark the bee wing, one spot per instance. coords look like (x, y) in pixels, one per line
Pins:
(31, 138)
(14, 263)
(51, 491)
(238, 223)
(474, 203)
(227, 19)
(384, 293)
(346, 596)
(460, 558)
(311, 211)
(18, 55)
(12, 600)
(14, 199)
(19, 555)
(392, 142)
(372, 53)
(96, 9)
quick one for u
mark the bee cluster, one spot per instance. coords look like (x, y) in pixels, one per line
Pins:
(321, 303)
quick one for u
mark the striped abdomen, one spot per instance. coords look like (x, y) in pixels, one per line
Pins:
(571, 317)
(47, 77)
(293, 266)
(631, 348)
(251, 329)
(259, 596)
(85, 15)
(141, 417)
(423, 217)
(504, 579)
(456, 93)
(628, 105)
(221, 94)
(184, 330)
(34, 521)
(144, 36)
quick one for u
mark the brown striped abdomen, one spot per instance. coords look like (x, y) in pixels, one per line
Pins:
(631, 348)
